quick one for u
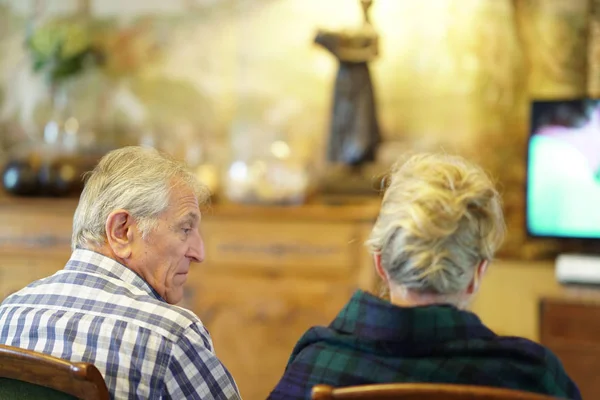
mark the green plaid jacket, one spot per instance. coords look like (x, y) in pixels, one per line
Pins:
(373, 341)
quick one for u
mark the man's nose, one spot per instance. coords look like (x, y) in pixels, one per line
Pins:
(196, 250)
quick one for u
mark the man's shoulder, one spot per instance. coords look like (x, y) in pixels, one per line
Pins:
(107, 298)
(172, 319)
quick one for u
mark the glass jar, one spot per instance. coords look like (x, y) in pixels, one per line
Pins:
(273, 175)
(267, 181)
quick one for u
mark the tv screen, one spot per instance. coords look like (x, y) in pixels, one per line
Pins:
(563, 169)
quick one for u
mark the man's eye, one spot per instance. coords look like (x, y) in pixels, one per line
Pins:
(187, 230)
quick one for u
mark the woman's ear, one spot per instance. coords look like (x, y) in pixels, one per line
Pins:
(478, 276)
(119, 232)
(380, 271)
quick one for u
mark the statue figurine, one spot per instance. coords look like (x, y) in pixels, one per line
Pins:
(354, 133)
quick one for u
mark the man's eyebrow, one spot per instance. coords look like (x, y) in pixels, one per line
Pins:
(191, 217)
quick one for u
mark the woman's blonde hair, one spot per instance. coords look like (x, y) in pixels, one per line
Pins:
(135, 179)
(440, 217)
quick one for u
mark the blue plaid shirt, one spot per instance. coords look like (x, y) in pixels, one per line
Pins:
(98, 311)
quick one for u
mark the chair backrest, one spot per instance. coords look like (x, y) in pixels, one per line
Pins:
(27, 374)
(422, 391)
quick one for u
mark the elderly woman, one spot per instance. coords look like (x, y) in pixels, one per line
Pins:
(440, 223)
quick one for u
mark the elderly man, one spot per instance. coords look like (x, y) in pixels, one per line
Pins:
(438, 228)
(135, 235)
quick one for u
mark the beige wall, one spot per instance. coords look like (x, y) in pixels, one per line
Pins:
(509, 297)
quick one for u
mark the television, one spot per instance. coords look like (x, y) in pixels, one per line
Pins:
(563, 181)
(563, 169)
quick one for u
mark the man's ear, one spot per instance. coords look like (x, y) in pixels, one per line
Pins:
(380, 271)
(120, 233)
(477, 276)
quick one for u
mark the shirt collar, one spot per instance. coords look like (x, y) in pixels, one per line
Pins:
(370, 317)
(83, 260)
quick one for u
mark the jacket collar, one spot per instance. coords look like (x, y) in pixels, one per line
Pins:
(370, 317)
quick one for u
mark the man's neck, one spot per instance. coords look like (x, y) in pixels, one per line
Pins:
(106, 251)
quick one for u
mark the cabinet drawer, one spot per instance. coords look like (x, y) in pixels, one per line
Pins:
(46, 227)
(570, 322)
(282, 246)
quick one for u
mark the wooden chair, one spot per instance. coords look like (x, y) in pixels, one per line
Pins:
(26, 374)
(421, 391)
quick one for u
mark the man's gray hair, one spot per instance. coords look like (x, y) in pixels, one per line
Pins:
(136, 179)
(440, 217)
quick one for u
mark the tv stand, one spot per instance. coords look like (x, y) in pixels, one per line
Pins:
(578, 269)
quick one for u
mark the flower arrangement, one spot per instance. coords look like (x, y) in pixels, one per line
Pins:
(63, 48)
(89, 66)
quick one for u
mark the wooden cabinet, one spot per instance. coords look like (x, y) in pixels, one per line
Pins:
(570, 327)
(255, 321)
(35, 240)
(270, 273)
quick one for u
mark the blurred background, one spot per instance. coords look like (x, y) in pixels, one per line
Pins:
(202, 79)
(239, 90)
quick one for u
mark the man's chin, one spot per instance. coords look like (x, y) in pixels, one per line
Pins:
(180, 279)
(174, 297)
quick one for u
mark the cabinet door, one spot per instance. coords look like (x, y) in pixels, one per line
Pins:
(255, 321)
(582, 363)
(571, 330)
